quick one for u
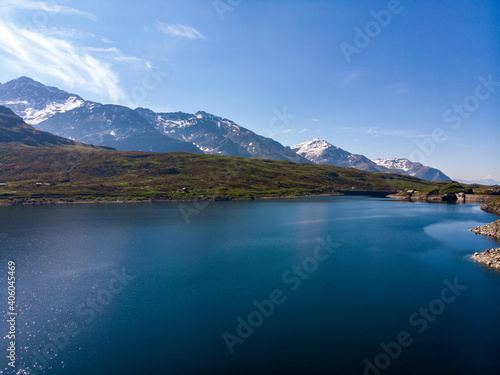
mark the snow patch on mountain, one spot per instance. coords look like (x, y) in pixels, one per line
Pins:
(216, 135)
(320, 151)
(396, 163)
(35, 102)
(409, 168)
(35, 116)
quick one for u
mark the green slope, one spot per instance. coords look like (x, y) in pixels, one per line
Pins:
(14, 130)
(78, 172)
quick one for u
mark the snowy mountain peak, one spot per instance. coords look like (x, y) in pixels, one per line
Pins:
(25, 87)
(316, 145)
(34, 101)
(24, 81)
(320, 151)
(396, 163)
(207, 116)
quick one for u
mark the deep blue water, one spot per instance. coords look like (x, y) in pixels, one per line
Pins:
(188, 283)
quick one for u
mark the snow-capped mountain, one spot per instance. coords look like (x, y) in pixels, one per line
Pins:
(112, 125)
(405, 166)
(319, 151)
(68, 115)
(35, 102)
(395, 163)
(217, 135)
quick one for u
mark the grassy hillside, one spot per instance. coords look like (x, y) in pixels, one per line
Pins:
(83, 173)
(15, 131)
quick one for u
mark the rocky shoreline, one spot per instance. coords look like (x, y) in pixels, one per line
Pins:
(492, 229)
(417, 196)
(490, 258)
(214, 198)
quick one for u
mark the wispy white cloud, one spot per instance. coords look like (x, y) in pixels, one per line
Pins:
(399, 88)
(302, 131)
(377, 132)
(6, 5)
(349, 77)
(115, 54)
(73, 34)
(179, 31)
(40, 53)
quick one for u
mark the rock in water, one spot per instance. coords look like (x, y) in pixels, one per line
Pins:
(490, 258)
(492, 229)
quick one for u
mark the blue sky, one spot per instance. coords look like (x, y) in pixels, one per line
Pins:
(414, 79)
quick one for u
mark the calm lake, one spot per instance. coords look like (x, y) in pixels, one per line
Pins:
(337, 285)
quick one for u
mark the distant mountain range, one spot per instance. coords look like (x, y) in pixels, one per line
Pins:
(319, 151)
(68, 115)
(483, 181)
(216, 135)
(406, 167)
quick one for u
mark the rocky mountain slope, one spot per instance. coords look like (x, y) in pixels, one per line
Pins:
(217, 135)
(112, 125)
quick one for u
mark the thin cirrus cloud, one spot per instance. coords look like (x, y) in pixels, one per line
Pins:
(61, 54)
(399, 88)
(37, 53)
(6, 5)
(179, 31)
(349, 77)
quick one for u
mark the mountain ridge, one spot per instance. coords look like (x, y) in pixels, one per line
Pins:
(206, 131)
(141, 129)
(68, 115)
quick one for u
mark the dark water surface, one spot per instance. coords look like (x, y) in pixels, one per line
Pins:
(136, 289)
